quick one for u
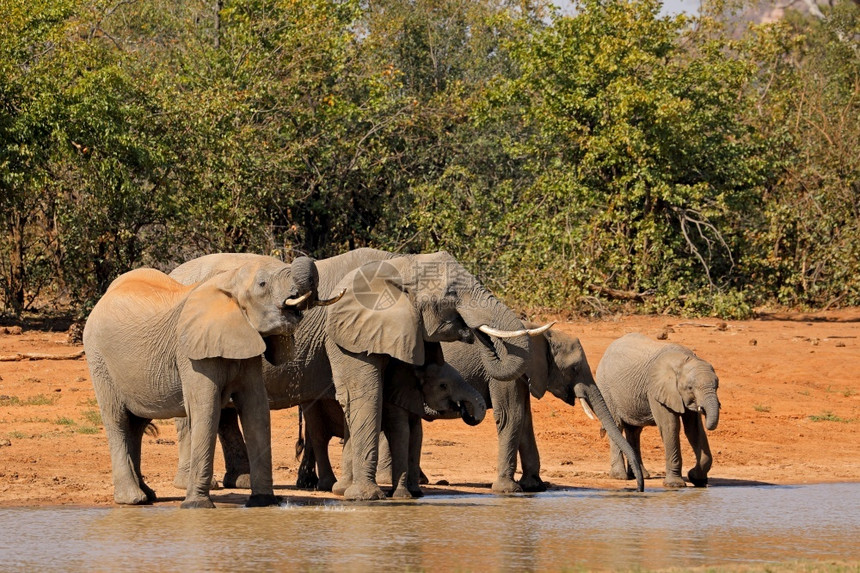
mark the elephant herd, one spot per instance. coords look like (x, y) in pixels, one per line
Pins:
(368, 344)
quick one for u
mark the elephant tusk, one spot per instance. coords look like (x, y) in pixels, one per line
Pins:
(332, 300)
(298, 300)
(514, 333)
(587, 409)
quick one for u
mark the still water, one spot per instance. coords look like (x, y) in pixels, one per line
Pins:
(580, 528)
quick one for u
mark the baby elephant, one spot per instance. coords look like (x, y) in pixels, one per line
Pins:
(650, 383)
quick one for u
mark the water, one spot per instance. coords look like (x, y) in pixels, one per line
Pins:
(591, 529)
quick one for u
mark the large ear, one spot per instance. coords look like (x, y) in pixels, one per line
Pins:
(664, 381)
(211, 324)
(376, 316)
(538, 366)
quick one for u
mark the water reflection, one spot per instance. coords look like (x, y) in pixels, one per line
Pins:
(560, 529)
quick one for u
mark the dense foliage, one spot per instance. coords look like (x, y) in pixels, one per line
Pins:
(574, 162)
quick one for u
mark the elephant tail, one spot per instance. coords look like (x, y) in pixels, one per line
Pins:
(300, 442)
(151, 430)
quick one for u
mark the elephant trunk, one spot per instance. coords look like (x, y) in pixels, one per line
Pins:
(472, 406)
(503, 358)
(711, 408)
(591, 394)
(305, 275)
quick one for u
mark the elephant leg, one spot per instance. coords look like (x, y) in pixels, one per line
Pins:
(183, 436)
(669, 424)
(203, 408)
(341, 485)
(396, 430)
(694, 429)
(358, 380)
(253, 405)
(508, 413)
(529, 454)
(237, 465)
(307, 475)
(122, 434)
(634, 436)
(383, 466)
(413, 474)
(323, 420)
(617, 466)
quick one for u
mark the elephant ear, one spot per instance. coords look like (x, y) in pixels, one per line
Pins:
(211, 325)
(665, 373)
(376, 315)
(540, 359)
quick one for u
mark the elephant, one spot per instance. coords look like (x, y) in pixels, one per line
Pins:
(395, 303)
(647, 383)
(159, 349)
(410, 394)
(557, 363)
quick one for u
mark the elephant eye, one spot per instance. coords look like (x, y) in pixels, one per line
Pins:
(443, 386)
(262, 283)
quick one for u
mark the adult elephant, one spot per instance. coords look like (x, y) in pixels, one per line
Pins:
(410, 394)
(556, 363)
(159, 349)
(395, 304)
(652, 383)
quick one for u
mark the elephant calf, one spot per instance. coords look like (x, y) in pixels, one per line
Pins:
(648, 383)
(410, 393)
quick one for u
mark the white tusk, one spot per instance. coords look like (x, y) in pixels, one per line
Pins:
(513, 333)
(540, 329)
(587, 409)
(331, 300)
(298, 300)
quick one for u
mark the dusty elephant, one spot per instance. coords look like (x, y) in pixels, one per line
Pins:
(648, 383)
(159, 349)
(410, 394)
(556, 363)
(394, 305)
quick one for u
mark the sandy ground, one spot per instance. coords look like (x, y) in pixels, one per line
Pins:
(789, 387)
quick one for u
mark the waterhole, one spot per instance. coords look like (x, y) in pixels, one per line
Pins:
(565, 529)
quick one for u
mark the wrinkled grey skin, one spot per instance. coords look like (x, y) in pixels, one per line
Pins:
(409, 300)
(159, 349)
(648, 383)
(411, 393)
(556, 363)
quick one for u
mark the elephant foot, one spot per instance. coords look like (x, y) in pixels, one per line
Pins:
(532, 483)
(134, 495)
(326, 483)
(674, 482)
(198, 503)
(363, 492)
(307, 480)
(423, 479)
(237, 481)
(340, 486)
(506, 485)
(400, 493)
(263, 500)
(181, 481)
(697, 478)
(416, 492)
(619, 473)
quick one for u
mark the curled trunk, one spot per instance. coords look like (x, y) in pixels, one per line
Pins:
(503, 359)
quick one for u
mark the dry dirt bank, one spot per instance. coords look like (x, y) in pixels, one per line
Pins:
(789, 387)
